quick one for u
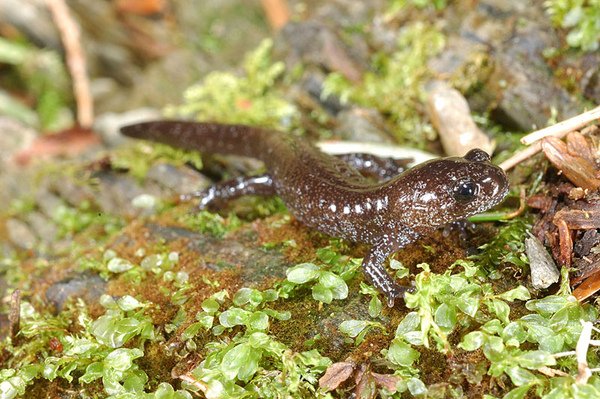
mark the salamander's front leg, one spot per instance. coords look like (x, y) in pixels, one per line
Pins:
(373, 264)
(217, 195)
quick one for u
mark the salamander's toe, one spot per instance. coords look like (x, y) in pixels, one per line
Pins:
(397, 291)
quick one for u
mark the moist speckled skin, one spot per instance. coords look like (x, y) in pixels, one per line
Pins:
(327, 194)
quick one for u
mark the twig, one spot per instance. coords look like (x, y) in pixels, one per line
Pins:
(277, 12)
(550, 372)
(194, 382)
(521, 209)
(584, 372)
(14, 317)
(536, 147)
(520, 156)
(562, 128)
(70, 35)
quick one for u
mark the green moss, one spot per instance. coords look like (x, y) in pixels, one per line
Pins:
(209, 222)
(253, 363)
(397, 5)
(71, 221)
(141, 156)
(507, 247)
(43, 76)
(250, 98)
(395, 88)
(581, 18)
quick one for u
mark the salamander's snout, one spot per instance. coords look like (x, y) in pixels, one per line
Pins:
(498, 187)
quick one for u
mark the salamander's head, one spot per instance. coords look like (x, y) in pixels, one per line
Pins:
(448, 189)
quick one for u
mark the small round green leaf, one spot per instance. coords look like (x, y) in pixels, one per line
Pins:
(322, 294)
(353, 327)
(401, 353)
(303, 273)
(472, 341)
(119, 265)
(234, 317)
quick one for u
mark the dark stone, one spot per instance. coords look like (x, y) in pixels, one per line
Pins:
(43, 227)
(115, 193)
(362, 124)
(179, 180)
(518, 86)
(256, 266)
(314, 43)
(20, 234)
(87, 286)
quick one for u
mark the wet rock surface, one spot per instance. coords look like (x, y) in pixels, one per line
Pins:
(495, 56)
(87, 286)
(517, 85)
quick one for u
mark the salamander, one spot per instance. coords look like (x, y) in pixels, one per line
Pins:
(330, 195)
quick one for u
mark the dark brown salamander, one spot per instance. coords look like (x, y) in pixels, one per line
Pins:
(326, 193)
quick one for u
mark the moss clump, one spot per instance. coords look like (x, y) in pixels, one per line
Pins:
(141, 156)
(250, 98)
(581, 17)
(395, 86)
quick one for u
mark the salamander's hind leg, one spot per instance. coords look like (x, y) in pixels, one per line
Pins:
(373, 264)
(380, 168)
(217, 195)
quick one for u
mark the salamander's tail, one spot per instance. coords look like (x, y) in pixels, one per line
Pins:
(205, 137)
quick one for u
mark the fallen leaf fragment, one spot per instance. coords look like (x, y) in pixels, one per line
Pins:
(336, 374)
(14, 315)
(565, 243)
(277, 12)
(578, 146)
(541, 202)
(578, 219)
(578, 170)
(589, 287)
(67, 142)
(141, 7)
(389, 382)
(366, 387)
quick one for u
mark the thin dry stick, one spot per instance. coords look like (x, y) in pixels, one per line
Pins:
(520, 156)
(193, 381)
(564, 127)
(70, 35)
(14, 317)
(536, 147)
(581, 350)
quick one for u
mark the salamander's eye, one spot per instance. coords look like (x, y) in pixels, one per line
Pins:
(465, 191)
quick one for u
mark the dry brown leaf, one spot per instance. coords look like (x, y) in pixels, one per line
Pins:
(565, 243)
(588, 287)
(366, 387)
(578, 219)
(387, 381)
(578, 146)
(578, 170)
(67, 142)
(336, 374)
